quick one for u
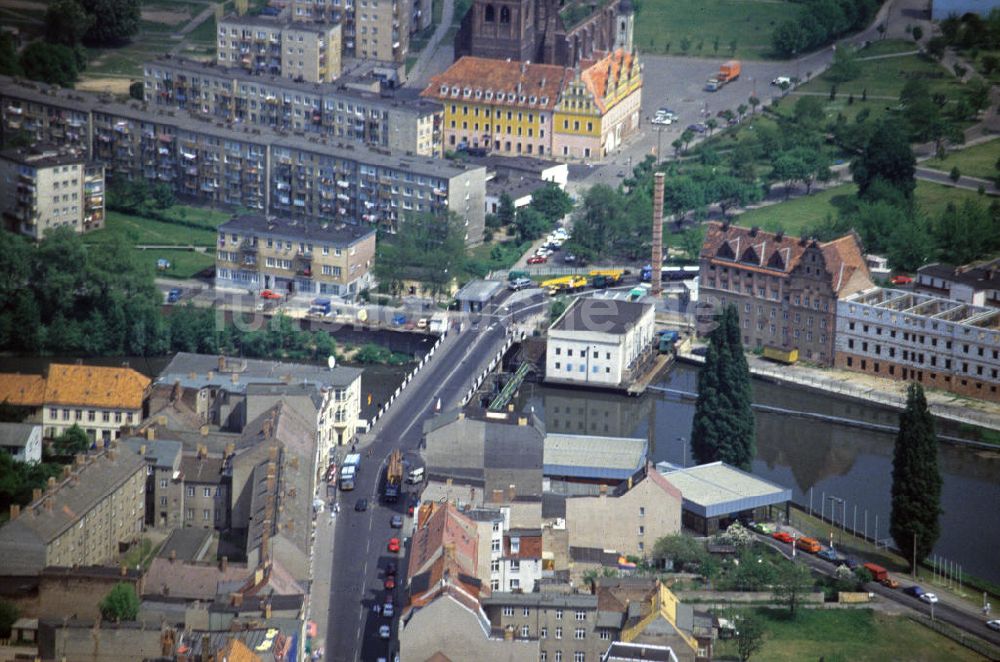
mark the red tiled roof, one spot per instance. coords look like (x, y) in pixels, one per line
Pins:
(610, 67)
(441, 525)
(22, 390)
(513, 79)
(95, 386)
(530, 547)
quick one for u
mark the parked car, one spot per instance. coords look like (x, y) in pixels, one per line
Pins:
(390, 583)
(828, 555)
(174, 295)
(901, 279)
(889, 582)
(569, 258)
(929, 598)
(852, 563)
(537, 259)
(396, 522)
(914, 590)
(394, 544)
(781, 80)
(384, 631)
(993, 625)
(782, 536)
(361, 505)
(388, 608)
(697, 128)
(390, 569)
(268, 294)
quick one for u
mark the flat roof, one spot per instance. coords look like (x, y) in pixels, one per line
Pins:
(44, 155)
(715, 489)
(479, 290)
(601, 315)
(623, 652)
(593, 457)
(339, 234)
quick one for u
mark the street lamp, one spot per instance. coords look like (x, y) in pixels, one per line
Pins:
(833, 511)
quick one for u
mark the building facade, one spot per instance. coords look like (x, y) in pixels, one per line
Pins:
(785, 288)
(599, 342)
(46, 187)
(230, 94)
(80, 519)
(372, 29)
(259, 252)
(599, 108)
(976, 284)
(559, 32)
(262, 45)
(22, 441)
(939, 343)
(209, 162)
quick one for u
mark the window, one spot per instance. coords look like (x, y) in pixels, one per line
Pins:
(558, 656)
(508, 611)
(578, 657)
(559, 613)
(581, 615)
(495, 565)
(206, 492)
(190, 490)
(579, 633)
(190, 513)
(526, 611)
(163, 482)
(642, 511)
(558, 633)
(206, 514)
(524, 630)
(543, 633)
(543, 657)
(605, 635)
(163, 501)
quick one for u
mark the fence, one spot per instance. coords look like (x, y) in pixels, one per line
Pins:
(409, 378)
(987, 650)
(494, 362)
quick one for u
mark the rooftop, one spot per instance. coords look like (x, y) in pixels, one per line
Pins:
(542, 600)
(44, 156)
(612, 67)
(189, 581)
(984, 276)
(339, 234)
(714, 489)
(527, 164)
(95, 386)
(927, 306)
(479, 290)
(593, 457)
(201, 370)
(16, 434)
(500, 82)
(187, 544)
(600, 315)
(515, 187)
(22, 390)
(622, 652)
(202, 470)
(161, 453)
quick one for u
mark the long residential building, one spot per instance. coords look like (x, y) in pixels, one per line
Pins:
(230, 94)
(520, 108)
(937, 342)
(294, 256)
(372, 29)
(46, 187)
(785, 288)
(211, 162)
(293, 50)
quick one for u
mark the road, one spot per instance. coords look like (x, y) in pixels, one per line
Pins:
(973, 624)
(360, 553)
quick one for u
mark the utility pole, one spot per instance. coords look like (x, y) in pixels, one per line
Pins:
(915, 555)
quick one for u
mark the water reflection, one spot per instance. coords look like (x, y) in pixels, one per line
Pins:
(814, 458)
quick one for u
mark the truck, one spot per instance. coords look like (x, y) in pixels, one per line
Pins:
(393, 476)
(667, 341)
(564, 284)
(728, 72)
(322, 307)
(786, 356)
(880, 574)
(810, 545)
(438, 323)
(670, 272)
(605, 277)
(347, 476)
(353, 460)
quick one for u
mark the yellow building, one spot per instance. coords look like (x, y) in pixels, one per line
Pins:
(599, 108)
(505, 107)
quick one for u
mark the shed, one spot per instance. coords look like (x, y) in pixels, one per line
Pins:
(594, 459)
(715, 493)
(477, 294)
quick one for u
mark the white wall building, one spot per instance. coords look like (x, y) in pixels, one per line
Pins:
(598, 341)
(22, 440)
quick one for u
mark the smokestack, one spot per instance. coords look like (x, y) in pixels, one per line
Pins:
(150, 434)
(224, 564)
(15, 512)
(657, 259)
(173, 555)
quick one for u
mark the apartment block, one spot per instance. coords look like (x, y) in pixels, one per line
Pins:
(567, 626)
(977, 284)
(262, 45)
(44, 187)
(42, 114)
(164, 479)
(231, 94)
(290, 255)
(81, 518)
(937, 342)
(785, 288)
(372, 29)
(211, 162)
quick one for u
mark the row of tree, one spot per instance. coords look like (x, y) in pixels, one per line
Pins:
(820, 22)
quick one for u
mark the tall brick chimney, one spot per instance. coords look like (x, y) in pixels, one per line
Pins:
(657, 258)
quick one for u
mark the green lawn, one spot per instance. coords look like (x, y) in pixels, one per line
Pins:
(849, 635)
(139, 230)
(798, 213)
(661, 26)
(888, 47)
(976, 161)
(183, 264)
(205, 32)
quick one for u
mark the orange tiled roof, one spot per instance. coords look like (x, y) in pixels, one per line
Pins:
(544, 82)
(237, 651)
(95, 386)
(596, 74)
(22, 390)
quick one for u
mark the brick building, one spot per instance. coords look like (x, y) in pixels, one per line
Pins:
(785, 288)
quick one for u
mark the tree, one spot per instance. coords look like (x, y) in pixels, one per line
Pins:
(712, 124)
(135, 90)
(114, 21)
(754, 102)
(686, 137)
(793, 582)
(749, 636)
(680, 550)
(789, 39)
(916, 480)
(50, 63)
(9, 613)
(845, 65)
(557, 308)
(120, 604)
(977, 94)
(691, 240)
(887, 156)
(163, 196)
(723, 425)
(66, 23)
(10, 65)
(552, 202)
(530, 224)
(917, 33)
(74, 440)
(505, 210)
(955, 174)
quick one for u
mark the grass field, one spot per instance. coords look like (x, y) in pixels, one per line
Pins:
(976, 161)
(139, 230)
(183, 264)
(854, 635)
(798, 213)
(661, 26)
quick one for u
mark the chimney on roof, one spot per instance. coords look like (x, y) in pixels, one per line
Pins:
(267, 609)
(142, 450)
(51, 482)
(224, 564)
(173, 555)
(36, 494)
(211, 375)
(175, 392)
(48, 504)
(65, 472)
(779, 235)
(78, 459)
(235, 378)
(15, 511)
(603, 490)
(725, 225)
(522, 420)
(237, 600)
(511, 492)
(222, 364)
(207, 654)
(161, 419)
(150, 434)
(123, 570)
(258, 576)
(203, 430)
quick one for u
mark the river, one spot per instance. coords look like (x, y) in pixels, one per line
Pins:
(825, 458)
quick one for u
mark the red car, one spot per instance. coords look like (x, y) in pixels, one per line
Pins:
(781, 536)
(268, 294)
(393, 544)
(390, 583)
(537, 259)
(901, 279)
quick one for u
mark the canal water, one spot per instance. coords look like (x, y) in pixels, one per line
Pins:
(812, 457)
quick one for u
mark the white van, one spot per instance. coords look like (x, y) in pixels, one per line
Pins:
(416, 476)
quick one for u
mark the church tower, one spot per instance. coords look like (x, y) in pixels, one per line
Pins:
(625, 24)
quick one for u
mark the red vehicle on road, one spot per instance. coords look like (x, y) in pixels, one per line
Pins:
(393, 544)
(537, 259)
(268, 294)
(781, 536)
(901, 279)
(390, 583)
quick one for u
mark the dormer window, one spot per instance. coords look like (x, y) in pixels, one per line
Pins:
(467, 92)
(545, 101)
(479, 94)
(500, 96)
(534, 99)
(522, 98)
(444, 89)
(489, 94)
(454, 91)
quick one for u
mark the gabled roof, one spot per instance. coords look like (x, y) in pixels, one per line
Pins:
(512, 79)
(95, 386)
(611, 68)
(442, 527)
(22, 390)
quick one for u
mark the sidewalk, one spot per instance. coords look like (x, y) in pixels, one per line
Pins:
(322, 569)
